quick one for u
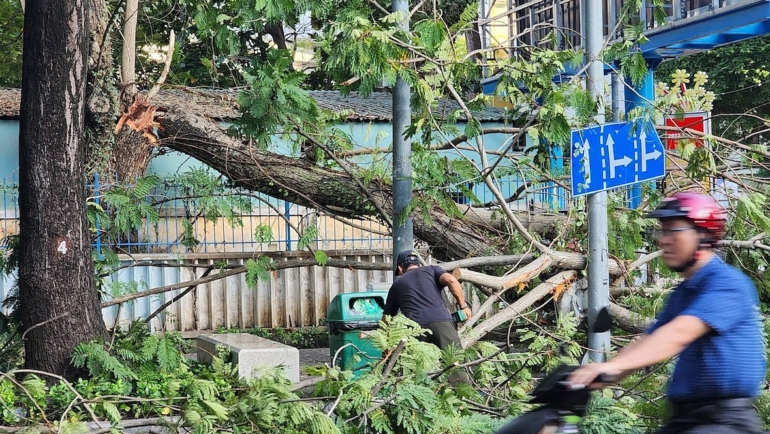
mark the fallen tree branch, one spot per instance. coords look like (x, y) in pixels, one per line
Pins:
(303, 262)
(563, 260)
(579, 261)
(620, 291)
(94, 429)
(501, 283)
(162, 289)
(521, 305)
(628, 320)
(175, 298)
(166, 66)
(312, 381)
(753, 243)
(488, 261)
(529, 270)
(392, 357)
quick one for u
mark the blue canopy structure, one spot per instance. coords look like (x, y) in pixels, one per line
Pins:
(711, 27)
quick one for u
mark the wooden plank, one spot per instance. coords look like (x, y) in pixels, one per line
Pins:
(307, 299)
(248, 297)
(203, 311)
(171, 318)
(188, 306)
(290, 297)
(277, 299)
(263, 303)
(155, 279)
(233, 300)
(217, 302)
(321, 294)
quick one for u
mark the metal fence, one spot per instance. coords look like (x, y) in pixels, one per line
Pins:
(286, 221)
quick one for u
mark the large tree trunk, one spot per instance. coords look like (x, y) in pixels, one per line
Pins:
(59, 303)
(297, 181)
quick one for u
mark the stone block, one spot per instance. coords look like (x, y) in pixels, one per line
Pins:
(251, 353)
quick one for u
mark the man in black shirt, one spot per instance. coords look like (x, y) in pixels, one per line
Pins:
(417, 294)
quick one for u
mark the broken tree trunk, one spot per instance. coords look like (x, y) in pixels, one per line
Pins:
(300, 182)
(540, 223)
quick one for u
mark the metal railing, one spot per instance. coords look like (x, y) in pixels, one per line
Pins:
(512, 24)
(285, 220)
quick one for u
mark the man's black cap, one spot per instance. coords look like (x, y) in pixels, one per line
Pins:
(408, 257)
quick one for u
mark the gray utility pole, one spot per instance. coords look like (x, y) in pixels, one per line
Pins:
(403, 236)
(598, 268)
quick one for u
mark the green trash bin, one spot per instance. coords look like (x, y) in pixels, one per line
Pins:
(347, 318)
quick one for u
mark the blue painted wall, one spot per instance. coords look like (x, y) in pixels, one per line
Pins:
(367, 135)
(9, 149)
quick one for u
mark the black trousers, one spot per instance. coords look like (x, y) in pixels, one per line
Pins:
(444, 334)
(717, 416)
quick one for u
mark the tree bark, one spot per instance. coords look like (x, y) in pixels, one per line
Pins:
(102, 95)
(59, 303)
(547, 225)
(555, 283)
(628, 320)
(297, 181)
(128, 62)
(501, 283)
(123, 155)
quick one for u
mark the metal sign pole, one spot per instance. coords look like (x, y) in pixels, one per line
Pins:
(598, 268)
(403, 237)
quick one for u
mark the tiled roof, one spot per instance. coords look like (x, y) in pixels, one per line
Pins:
(223, 104)
(9, 103)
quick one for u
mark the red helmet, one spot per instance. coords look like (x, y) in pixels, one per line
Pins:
(701, 209)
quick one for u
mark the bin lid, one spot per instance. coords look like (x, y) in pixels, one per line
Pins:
(357, 306)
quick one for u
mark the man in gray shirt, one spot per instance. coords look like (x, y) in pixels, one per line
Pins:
(417, 294)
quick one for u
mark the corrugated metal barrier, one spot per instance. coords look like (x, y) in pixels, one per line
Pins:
(293, 297)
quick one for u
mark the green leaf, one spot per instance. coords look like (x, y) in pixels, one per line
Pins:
(112, 412)
(73, 427)
(257, 270)
(35, 386)
(307, 237)
(219, 410)
(321, 257)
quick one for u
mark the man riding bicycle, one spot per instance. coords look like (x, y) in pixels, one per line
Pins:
(711, 321)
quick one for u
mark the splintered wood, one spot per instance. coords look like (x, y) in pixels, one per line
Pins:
(140, 117)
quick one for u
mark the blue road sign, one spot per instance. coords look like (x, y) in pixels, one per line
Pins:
(613, 155)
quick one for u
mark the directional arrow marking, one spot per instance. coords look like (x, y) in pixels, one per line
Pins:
(654, 155)
(583, 152)
(586, 161)
(625, 161)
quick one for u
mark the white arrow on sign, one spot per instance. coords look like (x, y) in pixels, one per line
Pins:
(625, 161)
(583, 151)
(586, 161)
(654, 155)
